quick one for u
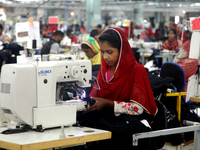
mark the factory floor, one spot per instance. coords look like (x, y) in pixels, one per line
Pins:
(180, 147)
(94, 146)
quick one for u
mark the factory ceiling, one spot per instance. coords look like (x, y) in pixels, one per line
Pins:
(109, 5)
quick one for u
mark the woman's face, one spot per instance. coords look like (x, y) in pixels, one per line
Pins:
(110, 54)
(171, 35)
(88, 52)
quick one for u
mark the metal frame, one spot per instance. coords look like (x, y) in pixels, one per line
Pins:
(157, 133)
(178, 104)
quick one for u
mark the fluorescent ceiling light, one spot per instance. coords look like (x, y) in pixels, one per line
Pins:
(177, 18)
(152, 3)
(196, 4)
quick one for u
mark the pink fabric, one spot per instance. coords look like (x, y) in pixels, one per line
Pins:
(189, 65)
(108, 74)
(144, 35)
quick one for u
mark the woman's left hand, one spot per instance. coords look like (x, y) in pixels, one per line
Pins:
(99, 104)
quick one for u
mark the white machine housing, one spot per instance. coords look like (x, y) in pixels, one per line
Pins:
(28, 91)
(58, 57)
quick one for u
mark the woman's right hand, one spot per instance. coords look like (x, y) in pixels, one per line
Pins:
(99, 104)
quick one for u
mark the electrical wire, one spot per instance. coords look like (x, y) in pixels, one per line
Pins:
(37, 7)
(122, 9)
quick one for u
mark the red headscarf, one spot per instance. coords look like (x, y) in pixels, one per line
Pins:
(130, 81)
(150, 32)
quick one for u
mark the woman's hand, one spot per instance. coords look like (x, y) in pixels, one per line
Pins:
(99, 104)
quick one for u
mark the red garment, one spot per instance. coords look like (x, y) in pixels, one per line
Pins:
(150, 32)
(130, 81)
(128, 32)
(180, 35)
(51, 29)
(186, 46)
(75, 40)
(156, 32)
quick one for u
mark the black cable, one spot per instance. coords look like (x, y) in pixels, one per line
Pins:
(122, 9)
(37, 7)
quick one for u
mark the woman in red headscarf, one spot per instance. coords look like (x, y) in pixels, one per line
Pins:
(122, 92)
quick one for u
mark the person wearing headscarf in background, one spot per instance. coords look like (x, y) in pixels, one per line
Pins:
(150, 31)
(95, 34)
(189, 65)
(3, 37)
(122, 94)
(144, 35)
(158, 35)
(92, 50)
(172, 43)
(83, 28)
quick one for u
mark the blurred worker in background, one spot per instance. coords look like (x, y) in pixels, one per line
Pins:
(53, 46)
(95, 34)
(3, 37)
(70, 34)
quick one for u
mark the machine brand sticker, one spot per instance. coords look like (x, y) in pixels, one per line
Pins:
(44, 72)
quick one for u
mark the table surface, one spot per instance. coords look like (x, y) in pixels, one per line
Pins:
(50, 138)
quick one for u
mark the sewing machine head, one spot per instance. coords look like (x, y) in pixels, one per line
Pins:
(58, 57)
(150, 45)
(28, 91)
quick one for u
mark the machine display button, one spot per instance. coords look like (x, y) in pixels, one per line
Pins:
(45, 81)
(85, 70)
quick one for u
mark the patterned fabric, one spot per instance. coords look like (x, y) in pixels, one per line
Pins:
(183, 52)
(127, 108)
(93, 44)
(172, 45)
(122, 107)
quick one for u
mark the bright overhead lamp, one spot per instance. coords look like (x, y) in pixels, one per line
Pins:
(184, 12)
(196, 4)
(145, 21)
(72, 13)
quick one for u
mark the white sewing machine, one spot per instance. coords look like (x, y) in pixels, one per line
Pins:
(58, 57)
(28, 91)
(150, 45)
